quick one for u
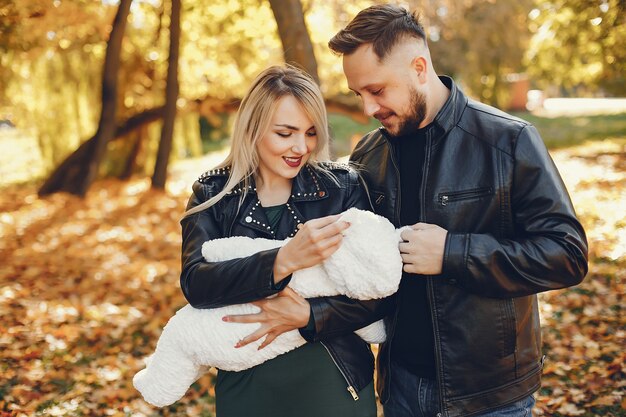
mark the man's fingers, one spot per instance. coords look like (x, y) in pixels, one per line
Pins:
(405, 247)
(423, 226)
(407, 258)
(407, 234)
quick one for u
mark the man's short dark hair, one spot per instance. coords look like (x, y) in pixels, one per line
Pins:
(382, 25)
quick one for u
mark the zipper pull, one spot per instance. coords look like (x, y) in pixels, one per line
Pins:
(444, 200)
(352, 392)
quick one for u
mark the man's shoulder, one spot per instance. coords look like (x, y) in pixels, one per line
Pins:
(479, 113)
(341, 173)
(491, 125)
(335, 166)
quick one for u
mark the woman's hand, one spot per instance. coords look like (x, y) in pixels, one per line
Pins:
(285, 312)
(315, 241)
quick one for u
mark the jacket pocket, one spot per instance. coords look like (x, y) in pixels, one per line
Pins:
(379, 202)
(448, 197)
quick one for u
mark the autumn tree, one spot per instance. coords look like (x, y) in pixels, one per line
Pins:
(297, 47)
(75, 175)
(579, 45)
(478, 42)
(171, 96)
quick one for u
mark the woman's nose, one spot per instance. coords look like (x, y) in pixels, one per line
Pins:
(299, 145)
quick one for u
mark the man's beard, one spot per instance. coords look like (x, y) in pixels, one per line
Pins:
(410, 124)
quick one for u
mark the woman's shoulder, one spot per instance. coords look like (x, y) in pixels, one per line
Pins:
(211, 182)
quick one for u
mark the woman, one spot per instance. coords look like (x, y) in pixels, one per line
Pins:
(274, 185)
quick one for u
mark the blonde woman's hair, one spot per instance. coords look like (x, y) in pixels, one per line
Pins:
(253, 121)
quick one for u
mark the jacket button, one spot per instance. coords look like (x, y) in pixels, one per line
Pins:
(248, 219)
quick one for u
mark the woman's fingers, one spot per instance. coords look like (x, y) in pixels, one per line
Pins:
(320, 240)
(268, 339)
(325, 227)
(323, 221)
(244, 318)
(262, 331)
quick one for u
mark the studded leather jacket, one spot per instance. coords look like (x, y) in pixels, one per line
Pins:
(512, 233)
(216, 284)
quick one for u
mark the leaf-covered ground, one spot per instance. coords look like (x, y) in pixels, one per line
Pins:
(87, 285)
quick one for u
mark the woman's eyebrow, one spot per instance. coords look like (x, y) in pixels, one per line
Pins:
(287, 126)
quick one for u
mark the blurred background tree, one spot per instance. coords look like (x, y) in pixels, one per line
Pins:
(579, 46)
(52, 57)
(479, 43)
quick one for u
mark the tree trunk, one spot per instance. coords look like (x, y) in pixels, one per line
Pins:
(76, 176)
(131, 162)
(71, 164)
(142, 119)
(171, 96)
(297, 47)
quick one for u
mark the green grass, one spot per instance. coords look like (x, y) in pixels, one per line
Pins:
(342, 128)
(557, 132)
(564, 131)
(19, 161)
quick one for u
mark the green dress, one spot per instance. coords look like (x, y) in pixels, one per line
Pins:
(302, 383)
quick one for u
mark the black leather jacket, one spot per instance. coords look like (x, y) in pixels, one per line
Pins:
(216, 284)
(512, 233)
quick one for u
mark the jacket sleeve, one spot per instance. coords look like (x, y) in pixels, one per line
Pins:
(216, 284)
(549, 250)
(334, 316)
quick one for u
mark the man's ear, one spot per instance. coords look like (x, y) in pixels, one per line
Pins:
(420, 66)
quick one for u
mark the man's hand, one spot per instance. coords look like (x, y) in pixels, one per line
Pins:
(285, 312)
(422, 249)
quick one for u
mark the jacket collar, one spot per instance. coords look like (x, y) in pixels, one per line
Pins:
(252, 216)
(306, 186)
(449, 114)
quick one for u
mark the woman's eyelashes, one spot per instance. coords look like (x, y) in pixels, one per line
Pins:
(309, 133)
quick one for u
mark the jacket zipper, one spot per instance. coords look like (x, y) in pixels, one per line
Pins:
(350, 388)
(399, 193)
(445, 198)
(439, 377)
(232, 224)
(429, 280)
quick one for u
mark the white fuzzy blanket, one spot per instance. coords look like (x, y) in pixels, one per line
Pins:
(366, 266)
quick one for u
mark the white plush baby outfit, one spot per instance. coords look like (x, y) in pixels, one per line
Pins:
(366, 266)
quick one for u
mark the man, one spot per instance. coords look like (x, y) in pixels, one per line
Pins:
(491, 222)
